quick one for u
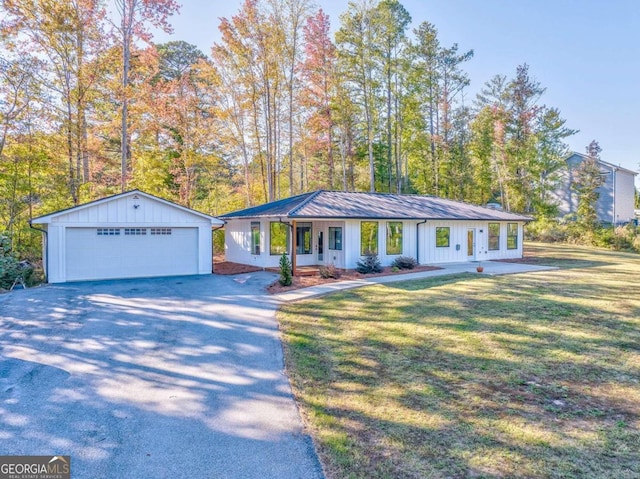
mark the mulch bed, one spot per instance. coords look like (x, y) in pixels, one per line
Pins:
(351, 274)
(227, 267)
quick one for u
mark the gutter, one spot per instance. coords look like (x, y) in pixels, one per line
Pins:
(418, 240)
(45, 252)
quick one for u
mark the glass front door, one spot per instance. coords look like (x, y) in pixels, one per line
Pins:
(471, 244)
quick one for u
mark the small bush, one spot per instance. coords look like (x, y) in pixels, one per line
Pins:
(286, 277)
(11, 268)
(404, 262)
(369, 263)
(329, 271)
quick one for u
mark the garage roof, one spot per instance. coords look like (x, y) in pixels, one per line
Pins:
(344, 204)
(48, 218)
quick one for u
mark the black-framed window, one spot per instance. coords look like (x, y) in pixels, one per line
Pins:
(255, 237)
(394, 237)
(335, 238)
(443, 236)
(303, 238)
(278, 238)
(512, 235)
(494, 236)
(368, 237)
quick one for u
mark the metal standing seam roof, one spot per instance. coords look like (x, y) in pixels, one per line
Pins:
(355, 205)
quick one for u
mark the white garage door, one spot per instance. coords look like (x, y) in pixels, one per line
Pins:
(103, 253)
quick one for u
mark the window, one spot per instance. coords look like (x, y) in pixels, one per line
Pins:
(368, 237)
(335, 238)
(108, 231)
(394, 237)
(135, 231)
(442, 236)
(160, 231)
(303, 238)
(494, 236)
(278, 238)
(512, 235)
(255, 237)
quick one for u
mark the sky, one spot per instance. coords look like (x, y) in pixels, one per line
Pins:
(586, 53)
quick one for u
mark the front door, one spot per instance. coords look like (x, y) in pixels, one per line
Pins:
(471, 244)
(321, 247)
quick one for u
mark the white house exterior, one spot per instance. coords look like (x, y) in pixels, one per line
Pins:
(129, 235)
(616, 198)
(340, 227)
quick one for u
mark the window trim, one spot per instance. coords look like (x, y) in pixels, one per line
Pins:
(514, 236)
(490, 237)
(377, 238)
(253, 247)
(335, 229)
(287, 238)
(389, 237)
(448, 230)
(300, 244)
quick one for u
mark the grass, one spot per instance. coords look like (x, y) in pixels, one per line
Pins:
(534, 375)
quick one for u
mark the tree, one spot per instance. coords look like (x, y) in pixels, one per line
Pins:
(392, 20)
(135, 15)
(586, 183)
(319, 88)
(355, 40)
(69, 37)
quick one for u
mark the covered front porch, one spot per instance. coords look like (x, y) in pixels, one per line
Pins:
(310, 244)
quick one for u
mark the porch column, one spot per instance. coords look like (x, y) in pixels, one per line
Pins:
(293, 247)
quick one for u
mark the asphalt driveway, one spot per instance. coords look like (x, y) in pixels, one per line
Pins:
(167, 378)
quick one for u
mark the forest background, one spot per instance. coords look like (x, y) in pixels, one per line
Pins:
(91, 106)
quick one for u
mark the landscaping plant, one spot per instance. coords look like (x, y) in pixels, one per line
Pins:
(286, 276)
(369, 263)
(404, 262)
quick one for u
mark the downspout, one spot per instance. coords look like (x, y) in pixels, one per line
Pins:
(418, 240)
(45, 251)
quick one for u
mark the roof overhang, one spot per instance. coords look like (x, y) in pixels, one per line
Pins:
(46, 219)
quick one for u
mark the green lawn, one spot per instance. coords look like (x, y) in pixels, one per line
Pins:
(533, 375)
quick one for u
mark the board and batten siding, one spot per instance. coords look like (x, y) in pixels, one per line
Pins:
(238, 242)
(129, 211)
(457, 250)
(352, 241)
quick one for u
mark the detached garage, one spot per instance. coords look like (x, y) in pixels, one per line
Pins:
(130, 235)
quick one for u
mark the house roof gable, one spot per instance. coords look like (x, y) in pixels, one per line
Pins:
(606, 164)
(342, 204)
(49, 217)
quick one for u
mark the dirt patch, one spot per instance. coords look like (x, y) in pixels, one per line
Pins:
(351, 274)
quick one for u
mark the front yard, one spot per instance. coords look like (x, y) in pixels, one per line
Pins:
(534, 375)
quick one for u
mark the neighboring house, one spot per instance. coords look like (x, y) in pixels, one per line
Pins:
(128, 235)
(340, 227)
(617, 193)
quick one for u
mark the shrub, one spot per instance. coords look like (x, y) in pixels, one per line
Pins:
(329, 271)
(404, 262)
(369, 263)
(10, 267)
(286, 277)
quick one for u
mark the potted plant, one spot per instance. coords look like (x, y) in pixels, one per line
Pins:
(479, 268)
